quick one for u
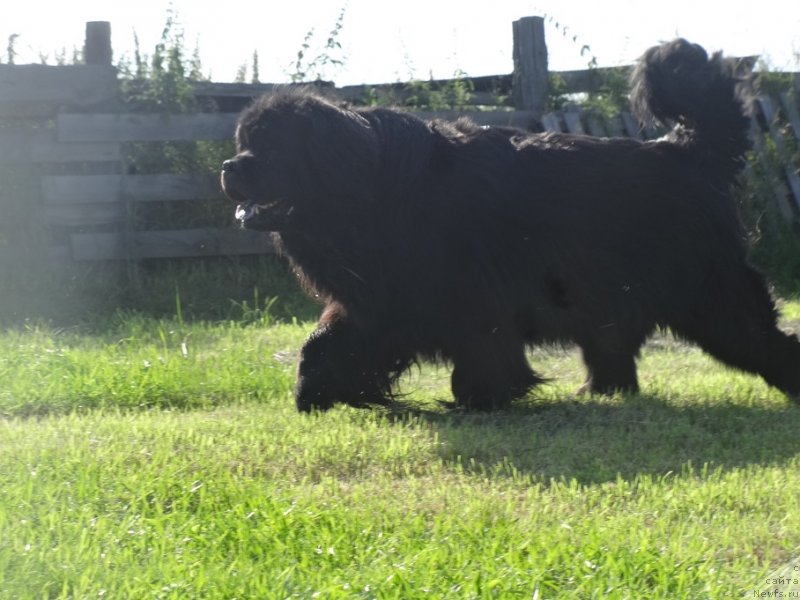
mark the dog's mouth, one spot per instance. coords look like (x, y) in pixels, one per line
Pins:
(247, 210)
(261, 216)
(272, 216)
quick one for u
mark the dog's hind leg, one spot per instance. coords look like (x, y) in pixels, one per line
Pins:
(736, 324)
(609, 370)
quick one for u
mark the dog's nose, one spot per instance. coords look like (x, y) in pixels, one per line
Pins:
(229, 165)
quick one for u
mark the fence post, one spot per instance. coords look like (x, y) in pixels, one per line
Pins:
(97, 49)
(530, 81)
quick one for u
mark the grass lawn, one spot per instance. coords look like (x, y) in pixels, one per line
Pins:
(164, 459)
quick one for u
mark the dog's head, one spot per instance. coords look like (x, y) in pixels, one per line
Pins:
(299, 157)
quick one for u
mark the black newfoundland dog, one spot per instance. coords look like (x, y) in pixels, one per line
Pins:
(454, 242)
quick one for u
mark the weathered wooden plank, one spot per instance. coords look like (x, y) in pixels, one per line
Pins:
(551, 122)
(396, 94)
(590, 80)
(97, 48)
(98, 246)
(779, 190)
(632, 128)
(399, 95)
(40, 146)
(482, 83)
(81, 189)
(572, 120)
(594, 80)
(485, 86)
(770, 116)
(166, 187)
(169, 244)
(615, 127)
(30, 90)
(530, 80)
(101, 189)
(792, 114)
(145, 128)
(794, 185)
(770, 112)
(233, 90)
(595, 125)
(59, 254)
(84, 215)
(66, 152)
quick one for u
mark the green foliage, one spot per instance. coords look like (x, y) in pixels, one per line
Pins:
(453, 94)
(163, 83)
(766, 204)
(428, 95)
(559, 95)
(774, 82)
(778, 252)
(313, 63)
(241, 72)
(610, 86)
(611, 96)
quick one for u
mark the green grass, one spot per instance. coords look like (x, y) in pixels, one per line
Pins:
(144, 363)
(790, 311)
(158, 458)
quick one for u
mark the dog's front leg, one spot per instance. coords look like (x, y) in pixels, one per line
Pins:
(338, 365)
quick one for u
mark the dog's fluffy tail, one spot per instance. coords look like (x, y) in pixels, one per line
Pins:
(701, 98)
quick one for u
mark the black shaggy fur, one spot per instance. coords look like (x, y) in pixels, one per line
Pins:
(456, 242)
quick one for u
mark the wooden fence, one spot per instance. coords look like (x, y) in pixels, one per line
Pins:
(76, 131)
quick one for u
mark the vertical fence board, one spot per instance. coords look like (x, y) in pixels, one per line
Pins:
(550, 122)
(530, 79)
(572, 119)
(97, 49)
(792, 114)
(769, 110)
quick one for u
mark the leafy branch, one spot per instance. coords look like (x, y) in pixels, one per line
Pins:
(313, 69)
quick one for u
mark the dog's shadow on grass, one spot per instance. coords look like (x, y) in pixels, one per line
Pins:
(595, 441)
